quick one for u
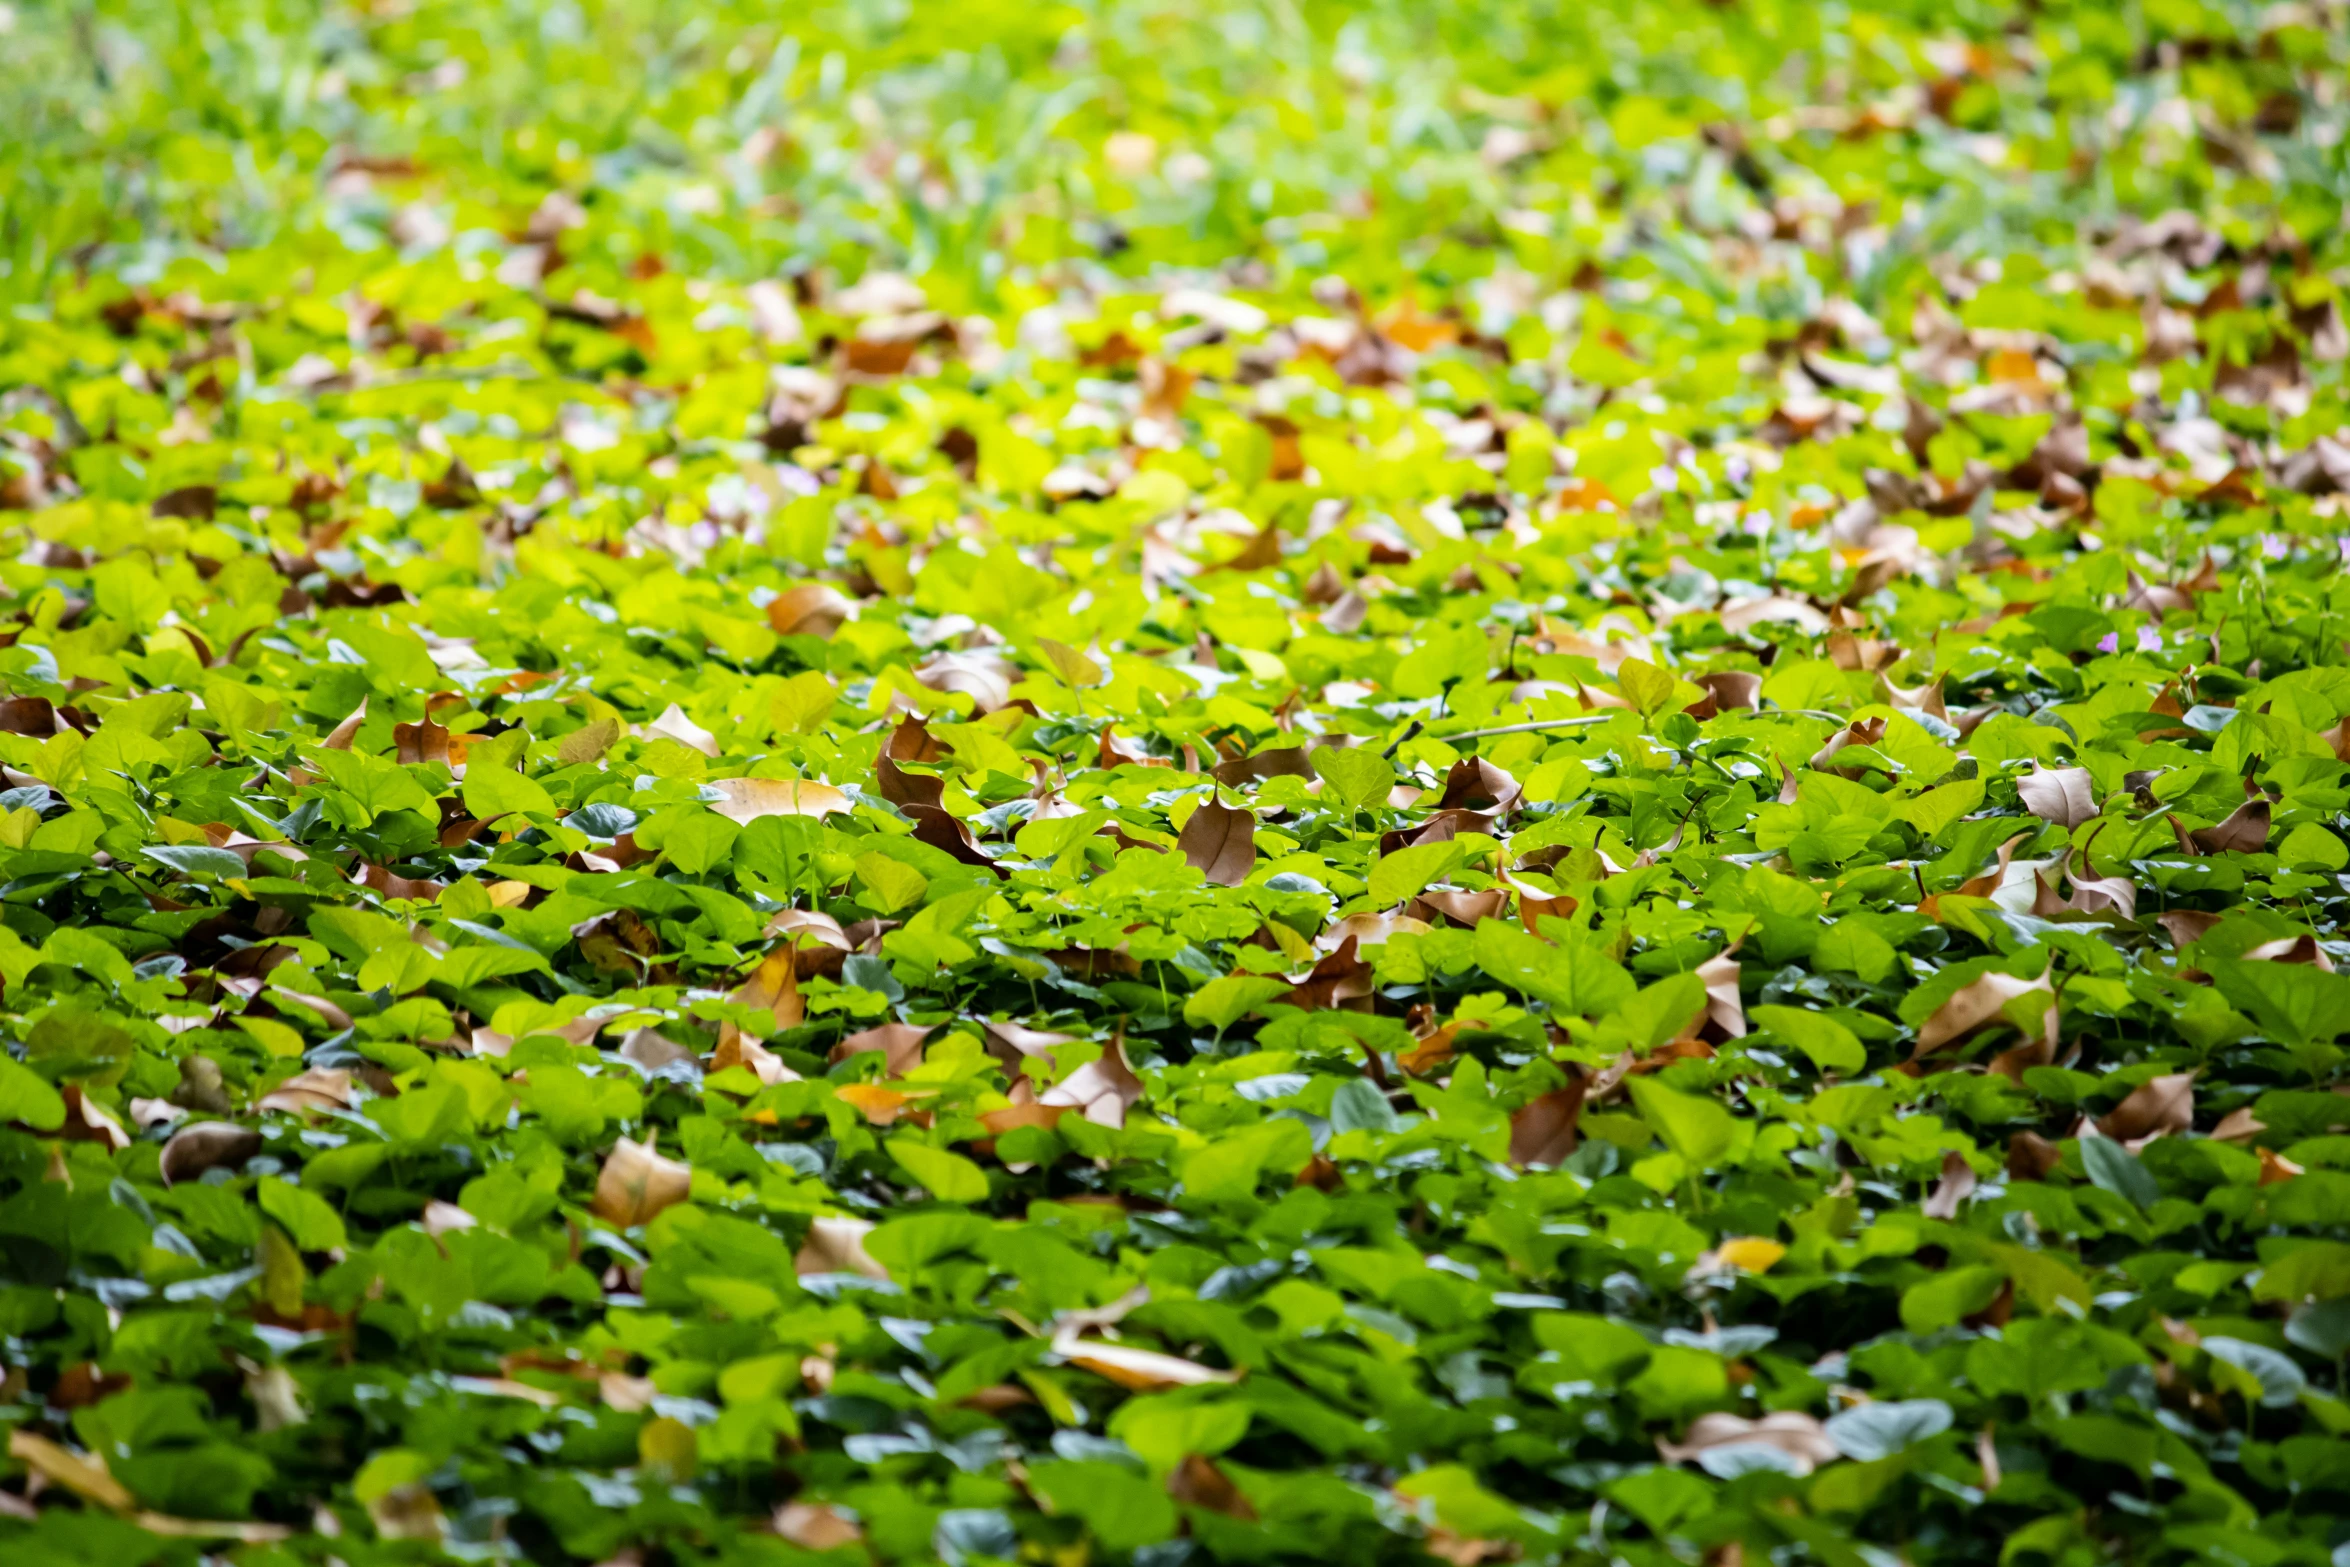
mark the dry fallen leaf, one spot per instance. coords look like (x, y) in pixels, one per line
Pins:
(747, 799)
(1978, 1004)
(1799, 1436)
(2157, 1106)
(1102, 1090)
(1220, 843)
(2063, 795)
(813, 609)
(637, 1183)
(837, 1245)
(1543, 1130)
(816, 1526)
(84, 1477)
(1956, 1185)
(1138, 1370)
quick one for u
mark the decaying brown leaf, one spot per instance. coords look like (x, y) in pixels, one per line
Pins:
(837, 1245)
(1980, 1004)
(1799, 1436)
(1957, 1183)
(638, 1182)
(2157, 1106)
(1542, 1131)
(1220, 843)
(2063, 795)
(745, 800)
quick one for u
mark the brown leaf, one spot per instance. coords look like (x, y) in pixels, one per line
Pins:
(1013, 1043)
(899, 1043)
(1862, 732)
(1731, 690)
(902, 788)
(2275, 1168)
(84, 1477)
(2244, 832)
(2154, 1107)
(983, 674)
(911, 741)
(1956, 1185)
(748, 799)
(1197, 1482)
(319, 1088)
(816, 1526)
(1725, 1008)
(813, 609)
(1339, 977)
(1979, 1004)
(1462, 908)
(339, 737)
(2239, 1125)
(736, 1048)
(818, 942)
(637, 1182)
(1220, 843)
(205, 1146)
(1102, 1090)
(1474, 784)
(1139, 1370)
(2030, 1157)
(1799, 1436)
(837, 1245)
(774, 985)
(1542, 1131)
(2063, 795)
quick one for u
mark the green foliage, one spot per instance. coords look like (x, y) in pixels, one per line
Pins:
(1135, 784)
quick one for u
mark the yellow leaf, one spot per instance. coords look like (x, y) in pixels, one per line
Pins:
(1071, 665)
(1750, 1253)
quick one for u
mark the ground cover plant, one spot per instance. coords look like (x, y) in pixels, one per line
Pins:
(1174, 784)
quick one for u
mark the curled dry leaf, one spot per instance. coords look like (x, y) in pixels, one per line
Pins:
(1979, 1004)
(837, 1245)
(1137, 1370)
(208, 1145)
(774, 987)
(816, 1526)
(1799, 1436)
(1954, 1188)
(2063, 795)
(1542, 1131)
(878, 1105)
(319, 1088)
(86, 1478)
(900, 1044)
(2245, 831)
(2031, 1157)
(2155, 1107)
(637, 1183)
(1197, 1482)
(813, 609)
(1220, 843)
(745, 800)
(1102, 1090)
(735, 1048)
(1725, 1008)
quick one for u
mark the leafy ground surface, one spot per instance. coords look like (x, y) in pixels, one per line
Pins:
(1193, 784)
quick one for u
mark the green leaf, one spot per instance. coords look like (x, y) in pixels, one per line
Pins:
(949, 1177)
(1700, 1130)
(1356, 776)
